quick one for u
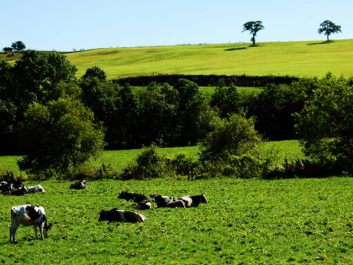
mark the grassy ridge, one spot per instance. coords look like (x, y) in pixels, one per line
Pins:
(276, 58)
(245, 222)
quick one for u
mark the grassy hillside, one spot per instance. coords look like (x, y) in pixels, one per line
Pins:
(308, 58)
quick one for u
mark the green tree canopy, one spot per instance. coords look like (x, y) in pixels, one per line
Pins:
(235, 135)
(328, 27)
(253, 27)
(18, 46)
(326, 123)
(58, 136)
(95, 72)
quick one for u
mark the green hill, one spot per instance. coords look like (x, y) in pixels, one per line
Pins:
(303, 59)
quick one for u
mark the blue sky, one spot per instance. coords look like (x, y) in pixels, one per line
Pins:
(65, 25)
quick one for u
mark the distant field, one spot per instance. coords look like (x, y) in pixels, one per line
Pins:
(119, 159)
(303, 59)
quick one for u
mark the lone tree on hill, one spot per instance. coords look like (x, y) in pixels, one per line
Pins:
(18, 46)
(328, 27)
(253, 27)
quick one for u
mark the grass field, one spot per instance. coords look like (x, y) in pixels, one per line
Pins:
(245, 222)
(308, 58)
(119, 159)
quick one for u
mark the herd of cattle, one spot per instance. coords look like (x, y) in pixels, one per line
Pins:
(34, 215)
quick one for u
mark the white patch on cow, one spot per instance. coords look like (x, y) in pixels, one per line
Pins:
(37, 188)
(21, 216)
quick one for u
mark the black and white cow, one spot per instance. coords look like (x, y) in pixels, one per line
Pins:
(34, 189)
(28, 215)
(80, 185)
(193, 201)
(118, 215)
(13, 188)
(184, 201)
(167, 201)
(142, 202)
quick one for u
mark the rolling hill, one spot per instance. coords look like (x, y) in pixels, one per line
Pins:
(303, 59)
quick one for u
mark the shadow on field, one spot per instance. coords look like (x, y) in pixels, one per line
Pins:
(235, 49)
(320, 43)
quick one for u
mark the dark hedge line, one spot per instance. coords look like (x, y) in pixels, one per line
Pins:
(210, 80)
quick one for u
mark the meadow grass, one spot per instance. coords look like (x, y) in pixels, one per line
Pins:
(119, 159)
(303, 59)
(245, 222)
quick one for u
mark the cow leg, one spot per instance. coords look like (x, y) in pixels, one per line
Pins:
(35, 231)
(41, 225)
(13, 229)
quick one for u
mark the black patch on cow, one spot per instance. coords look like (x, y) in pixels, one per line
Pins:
(197, 199)
(32, 213)
(135, 197)
(130, 217)
(110, 216)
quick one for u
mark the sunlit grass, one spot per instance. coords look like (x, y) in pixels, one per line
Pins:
(245, 222)
(118, 159)
(308, 58)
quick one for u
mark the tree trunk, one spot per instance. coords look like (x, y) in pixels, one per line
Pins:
(253, 40)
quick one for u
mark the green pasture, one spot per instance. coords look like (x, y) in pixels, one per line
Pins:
(303, 59)
(118, 159)
(297, 221)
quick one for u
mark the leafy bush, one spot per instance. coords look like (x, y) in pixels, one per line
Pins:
(233, 136)
(326, 123)
(58, 137)
(303, 168)
(147, 165)
(9, 176)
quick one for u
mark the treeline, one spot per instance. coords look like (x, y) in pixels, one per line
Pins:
(59, 121)
(170, 112)
(210, 80)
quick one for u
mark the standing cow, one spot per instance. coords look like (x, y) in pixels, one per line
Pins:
(29, 215)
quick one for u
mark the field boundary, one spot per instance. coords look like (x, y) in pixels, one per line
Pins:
(209, 80)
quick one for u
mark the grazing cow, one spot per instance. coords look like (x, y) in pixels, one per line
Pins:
(194, 201)
(118, 215)
(29, 215)
(142, 201)
(79, 185)
(37, 188)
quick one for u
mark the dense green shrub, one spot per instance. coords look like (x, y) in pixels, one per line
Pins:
(326, 123)
(58, 136)
(148, 165)
(235, 135)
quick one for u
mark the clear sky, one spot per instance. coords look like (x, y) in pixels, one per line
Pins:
(65, 25)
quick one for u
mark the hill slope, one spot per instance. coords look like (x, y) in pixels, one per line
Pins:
(276, 58)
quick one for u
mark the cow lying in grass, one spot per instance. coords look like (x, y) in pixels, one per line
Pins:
(34, 189)
(29, 215)
(118, 215)
(80, 185)
(184, 201)
(142, 201)
(13, 188)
